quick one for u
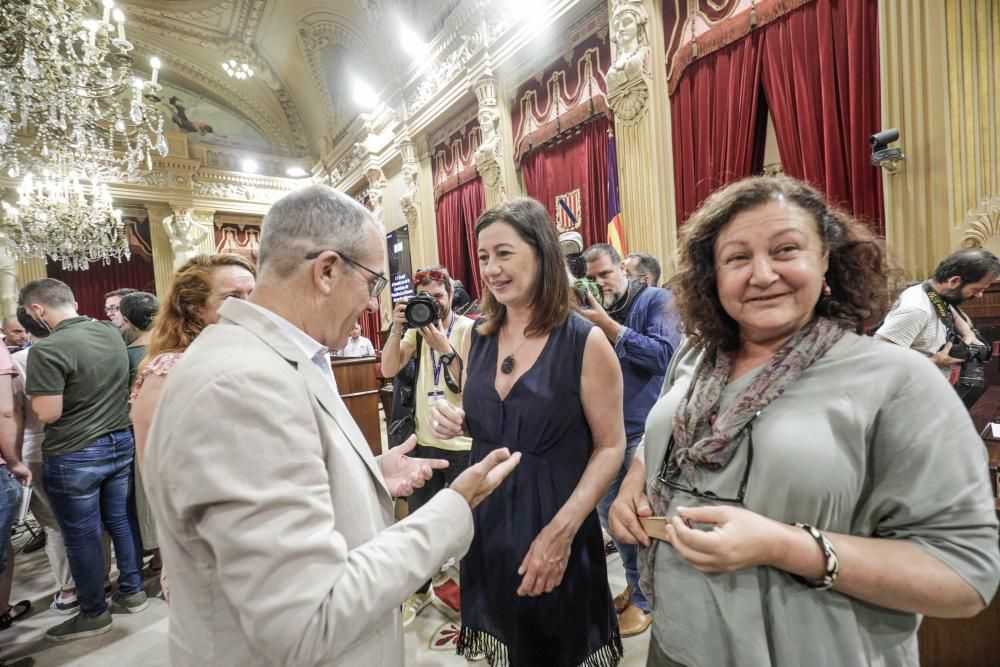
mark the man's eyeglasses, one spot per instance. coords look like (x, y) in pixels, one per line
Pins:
(374, 288)
(708, 495)
(111, 309)
(430, 274)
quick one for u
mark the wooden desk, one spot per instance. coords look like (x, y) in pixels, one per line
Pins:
(359, 387)
(969, 642)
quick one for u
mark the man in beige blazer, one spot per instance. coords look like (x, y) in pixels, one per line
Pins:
(275, 521)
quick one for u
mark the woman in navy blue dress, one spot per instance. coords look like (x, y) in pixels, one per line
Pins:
(541, 380)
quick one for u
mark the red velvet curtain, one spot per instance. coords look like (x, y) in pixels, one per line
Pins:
(90, 286)
(718, 124)
(821, 77)
(371, 325)
(818, 68)
(578, 161)
(456, 213)
(473, 205)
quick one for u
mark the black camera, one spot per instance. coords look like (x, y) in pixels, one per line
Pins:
(973, 370)
(422, 310)
(581, 286)
(577, 264)
(880, 140)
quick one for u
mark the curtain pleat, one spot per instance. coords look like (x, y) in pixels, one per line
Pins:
(578, 161)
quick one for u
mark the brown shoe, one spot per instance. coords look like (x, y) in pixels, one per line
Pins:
(623, 600)
(633, 621)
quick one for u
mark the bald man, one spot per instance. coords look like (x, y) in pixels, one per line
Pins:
(14, 335)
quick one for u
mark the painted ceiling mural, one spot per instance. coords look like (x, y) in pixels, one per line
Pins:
(206, 121)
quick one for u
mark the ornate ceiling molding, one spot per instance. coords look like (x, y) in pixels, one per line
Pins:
(319, 34)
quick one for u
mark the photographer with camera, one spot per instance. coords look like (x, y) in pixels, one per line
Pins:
(426, 326)
(926, 317)
(641, 323)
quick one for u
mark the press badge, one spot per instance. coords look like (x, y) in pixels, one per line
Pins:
(434, 396)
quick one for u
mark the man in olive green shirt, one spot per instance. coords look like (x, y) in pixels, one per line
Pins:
(78, 381)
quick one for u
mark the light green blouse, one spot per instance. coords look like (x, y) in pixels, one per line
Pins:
(871, 441)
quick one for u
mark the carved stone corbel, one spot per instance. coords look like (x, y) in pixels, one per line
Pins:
(190, 233)
(489, 155)
(641, 105)
(629, 76)
(376, 189)
(410, 201)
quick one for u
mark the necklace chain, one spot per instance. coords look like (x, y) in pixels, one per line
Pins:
(507, 366)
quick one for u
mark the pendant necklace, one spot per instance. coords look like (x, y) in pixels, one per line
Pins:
(507, 365)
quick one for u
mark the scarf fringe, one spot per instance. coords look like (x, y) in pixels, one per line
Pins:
(475, 643)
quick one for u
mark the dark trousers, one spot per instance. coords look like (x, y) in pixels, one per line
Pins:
(89, 488)
(457, 462)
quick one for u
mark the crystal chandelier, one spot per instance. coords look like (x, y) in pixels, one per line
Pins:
(70, 104)
(55, 217)
(238, 70)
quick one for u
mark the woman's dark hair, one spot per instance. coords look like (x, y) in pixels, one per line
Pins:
(139, 308)
(550, 302)
(858, 271)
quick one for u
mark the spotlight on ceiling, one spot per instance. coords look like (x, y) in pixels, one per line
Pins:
(522, 7)
(364, 96)
(296, 172)
(411, 42)
(249, 166)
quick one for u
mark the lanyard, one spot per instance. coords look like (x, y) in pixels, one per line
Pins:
(436, 364)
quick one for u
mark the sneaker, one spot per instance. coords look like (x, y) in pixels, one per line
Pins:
(80, 626)
(133, 603)
(414, 605)
(64, 606)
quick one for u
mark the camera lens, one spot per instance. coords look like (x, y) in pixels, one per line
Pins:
(421, 311)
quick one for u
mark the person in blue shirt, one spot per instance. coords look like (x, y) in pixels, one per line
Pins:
(642, 324)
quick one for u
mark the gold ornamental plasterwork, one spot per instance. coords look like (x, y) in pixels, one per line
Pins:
(982, 225)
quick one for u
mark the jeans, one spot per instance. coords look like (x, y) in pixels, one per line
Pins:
(88, 488)
(10, 503)
(628, 552)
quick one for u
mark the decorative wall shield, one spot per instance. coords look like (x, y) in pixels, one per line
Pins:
(569, 210)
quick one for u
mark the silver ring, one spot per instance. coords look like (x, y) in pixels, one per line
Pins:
(435, 424)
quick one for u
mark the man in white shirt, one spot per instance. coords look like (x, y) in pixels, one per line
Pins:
(927, 316)
(357, 345)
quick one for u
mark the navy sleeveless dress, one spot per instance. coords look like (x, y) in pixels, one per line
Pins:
(542, 418)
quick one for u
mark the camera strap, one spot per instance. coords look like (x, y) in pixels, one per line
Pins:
(946, 314)
(437, 364)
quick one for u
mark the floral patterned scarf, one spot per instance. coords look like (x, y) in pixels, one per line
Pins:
(695, 410)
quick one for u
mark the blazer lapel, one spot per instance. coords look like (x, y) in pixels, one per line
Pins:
(248, 317)
(334, 406)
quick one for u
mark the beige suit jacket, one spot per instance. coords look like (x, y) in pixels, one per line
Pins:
(275, 523)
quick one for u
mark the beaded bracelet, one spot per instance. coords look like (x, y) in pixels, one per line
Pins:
(829, 556)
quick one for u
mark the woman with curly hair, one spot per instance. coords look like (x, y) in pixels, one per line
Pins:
(803, 493)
